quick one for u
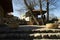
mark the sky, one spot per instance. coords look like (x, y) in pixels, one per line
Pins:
(18, 5)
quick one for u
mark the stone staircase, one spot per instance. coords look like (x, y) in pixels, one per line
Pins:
(23, 33)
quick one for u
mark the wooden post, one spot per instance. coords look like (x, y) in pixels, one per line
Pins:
(41, 11)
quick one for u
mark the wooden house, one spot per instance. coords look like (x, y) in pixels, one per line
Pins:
(35, 13)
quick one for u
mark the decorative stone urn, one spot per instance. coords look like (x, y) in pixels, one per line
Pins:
(51, 26)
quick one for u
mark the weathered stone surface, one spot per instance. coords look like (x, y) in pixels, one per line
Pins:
(1, 15)
(51, 25)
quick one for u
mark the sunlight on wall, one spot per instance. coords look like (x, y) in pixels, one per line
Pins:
(23, 17)
(27, 19)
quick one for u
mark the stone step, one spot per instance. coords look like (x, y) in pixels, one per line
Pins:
(32, 31)
(29, 33)
(30, 36)
(46, 35)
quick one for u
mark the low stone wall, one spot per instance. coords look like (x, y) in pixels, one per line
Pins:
(13, 25)
(51, 25)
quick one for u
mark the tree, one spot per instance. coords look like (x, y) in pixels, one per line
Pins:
(47, 10)
(52, 2)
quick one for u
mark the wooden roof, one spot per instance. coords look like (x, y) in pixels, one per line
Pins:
(37, 12)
